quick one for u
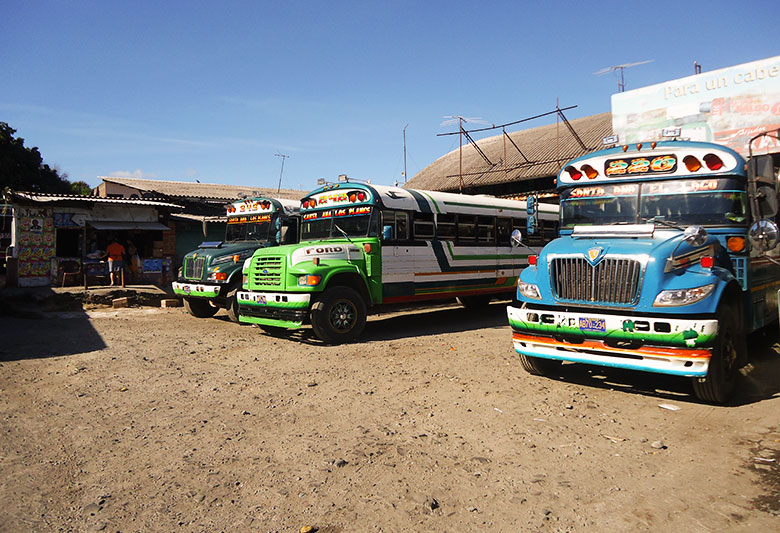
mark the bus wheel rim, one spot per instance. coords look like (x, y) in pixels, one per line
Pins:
(342, 316)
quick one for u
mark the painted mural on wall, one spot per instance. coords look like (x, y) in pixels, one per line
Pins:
(727, 106)
(35, 242)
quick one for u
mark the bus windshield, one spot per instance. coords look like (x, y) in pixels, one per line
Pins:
(248, 231)
(321, 225)
(707, 202)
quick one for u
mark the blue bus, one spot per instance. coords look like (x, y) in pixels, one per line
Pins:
(667, 258)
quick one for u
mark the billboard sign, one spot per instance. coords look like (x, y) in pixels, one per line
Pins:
(726, 106)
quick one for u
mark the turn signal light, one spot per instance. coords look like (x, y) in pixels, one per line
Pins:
(236, 258)
(736, 244)
(367, 247)
(691, 163)
(532, 259)
(220, 276)
(707, 261)
(713, 162)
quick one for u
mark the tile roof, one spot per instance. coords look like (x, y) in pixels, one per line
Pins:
(40, 197)
(188, 189)
(546, 149)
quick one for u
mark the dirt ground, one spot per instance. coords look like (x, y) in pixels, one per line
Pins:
(148, 419)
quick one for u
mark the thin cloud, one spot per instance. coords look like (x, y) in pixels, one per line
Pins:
(138, 174)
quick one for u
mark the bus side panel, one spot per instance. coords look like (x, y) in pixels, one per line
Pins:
(443, 270)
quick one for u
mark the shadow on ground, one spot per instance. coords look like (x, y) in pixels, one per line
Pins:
(29, 331)
(758, 381)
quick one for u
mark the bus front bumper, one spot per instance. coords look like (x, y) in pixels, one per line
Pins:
(278, 309)
(200, 290)
(664, 345)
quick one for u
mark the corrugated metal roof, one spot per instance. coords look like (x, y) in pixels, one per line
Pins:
(188, 189)
(544, 150)
(54, 198)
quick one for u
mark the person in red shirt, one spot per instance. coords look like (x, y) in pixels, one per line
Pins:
(116, 256)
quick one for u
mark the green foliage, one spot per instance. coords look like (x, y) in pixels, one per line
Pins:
(23, 169)
(80, 187)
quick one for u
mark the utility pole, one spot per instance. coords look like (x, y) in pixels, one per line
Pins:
(279, 188)
(405, 152)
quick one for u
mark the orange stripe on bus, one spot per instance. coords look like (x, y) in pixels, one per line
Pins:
(599, 345)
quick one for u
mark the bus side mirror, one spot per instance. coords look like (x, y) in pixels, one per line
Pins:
(764, 235)
(531, 210)
(516, 239)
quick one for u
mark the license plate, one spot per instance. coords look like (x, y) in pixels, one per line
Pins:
(186, 288)
(593, 324)
(260, 300)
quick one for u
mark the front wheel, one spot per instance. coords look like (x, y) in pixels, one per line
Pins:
(719, 383)
(231, 305)
(339, 316)
(539, 366)
(199, 307)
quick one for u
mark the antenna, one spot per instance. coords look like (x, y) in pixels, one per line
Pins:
(621, 68)
(277, 154)
(404, 153)
(459, 120)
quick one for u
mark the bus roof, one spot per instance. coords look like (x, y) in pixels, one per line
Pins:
(654, 160)
(349, 194)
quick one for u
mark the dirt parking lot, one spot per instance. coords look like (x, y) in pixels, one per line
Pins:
(147, 419)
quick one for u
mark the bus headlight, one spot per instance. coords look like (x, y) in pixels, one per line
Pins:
(308, 280)
(677, 297)
(529, 290)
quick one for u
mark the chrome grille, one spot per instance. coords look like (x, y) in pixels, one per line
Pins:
(193, 268)
(267, 270)
(610, 281)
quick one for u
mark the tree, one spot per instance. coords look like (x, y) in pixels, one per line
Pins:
(81, 187)
(23, 169)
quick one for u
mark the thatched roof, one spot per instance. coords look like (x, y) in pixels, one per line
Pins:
(545, 148)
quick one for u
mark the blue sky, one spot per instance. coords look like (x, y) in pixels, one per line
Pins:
(212, 90)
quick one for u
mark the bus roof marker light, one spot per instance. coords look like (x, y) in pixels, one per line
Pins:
(625, 148)
(638, 147)
(713, 162)
(573, 173)
(589, 171)
(691, 163)
(653, 145)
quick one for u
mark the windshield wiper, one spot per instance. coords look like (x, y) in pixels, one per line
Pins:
(659, 219)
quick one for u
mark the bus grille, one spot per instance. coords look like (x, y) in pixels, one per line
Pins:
(267, 270)
(193, 268)
(610, 281)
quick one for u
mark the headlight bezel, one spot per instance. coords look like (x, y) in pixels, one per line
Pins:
(528, 290)
(682, 297)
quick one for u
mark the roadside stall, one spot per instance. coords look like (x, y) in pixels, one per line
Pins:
(62, 239)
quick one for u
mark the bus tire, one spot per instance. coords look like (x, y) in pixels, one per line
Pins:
(539, 366)
(719, 383)
(231, 305)
(339, 315)
(479, 301)
(200, 308)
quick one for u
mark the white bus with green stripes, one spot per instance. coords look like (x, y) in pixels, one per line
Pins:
(362, 246)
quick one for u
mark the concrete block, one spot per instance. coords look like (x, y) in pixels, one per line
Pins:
(170, 302)
(120, 302)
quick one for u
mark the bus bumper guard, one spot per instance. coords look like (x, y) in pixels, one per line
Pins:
(284, 310)
(680, 347)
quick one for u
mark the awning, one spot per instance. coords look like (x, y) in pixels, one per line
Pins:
(148, 226)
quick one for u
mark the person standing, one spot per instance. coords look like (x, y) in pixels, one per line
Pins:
(116, 255)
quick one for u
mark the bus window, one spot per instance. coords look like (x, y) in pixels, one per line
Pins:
(423, 226)
(445, 227)
(504, 230)
(395, 226)
(486, 230)
(467, 228)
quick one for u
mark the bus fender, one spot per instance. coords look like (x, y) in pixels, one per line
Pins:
(348, 278)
